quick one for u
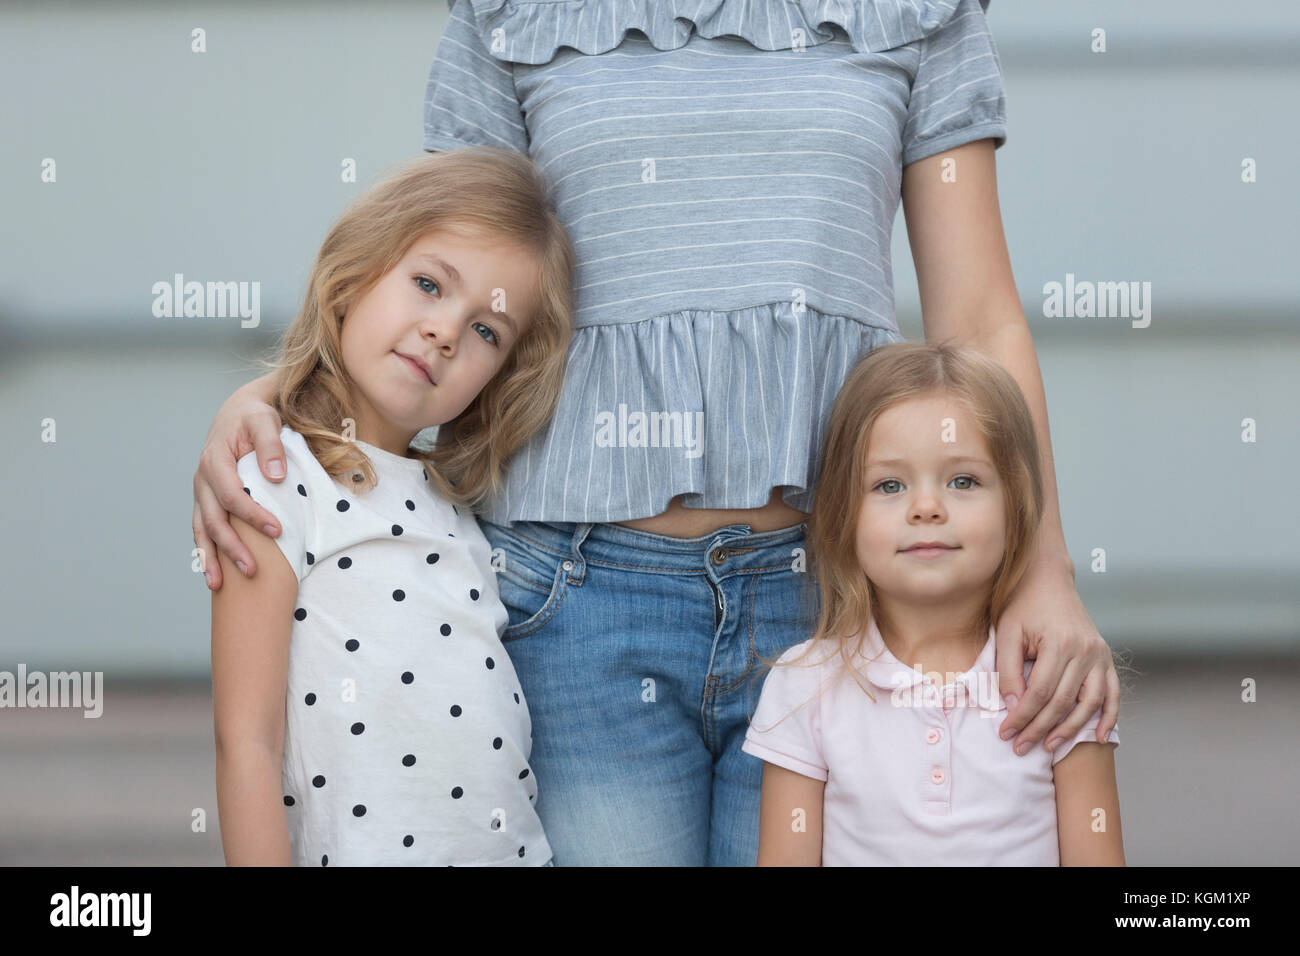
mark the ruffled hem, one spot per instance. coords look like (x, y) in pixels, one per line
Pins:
(742, 399)
(532, 31)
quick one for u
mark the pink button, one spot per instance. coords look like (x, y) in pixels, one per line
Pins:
(936, 775)
(932, 735)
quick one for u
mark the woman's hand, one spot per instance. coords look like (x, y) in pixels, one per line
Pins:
(244, 423)
(1046, 622)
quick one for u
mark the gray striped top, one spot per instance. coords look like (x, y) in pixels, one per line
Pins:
(729, 172)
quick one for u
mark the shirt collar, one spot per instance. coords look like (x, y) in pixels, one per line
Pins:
(887, 672)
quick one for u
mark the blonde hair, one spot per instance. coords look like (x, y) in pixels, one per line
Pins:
(891, 374)
(498, 193)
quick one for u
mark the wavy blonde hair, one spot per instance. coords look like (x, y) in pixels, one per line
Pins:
(891, 374)
(496, 193)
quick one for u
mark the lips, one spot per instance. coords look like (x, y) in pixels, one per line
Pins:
(928, 549)
(418, 365)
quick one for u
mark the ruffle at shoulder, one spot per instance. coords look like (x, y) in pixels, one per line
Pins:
(531, 31)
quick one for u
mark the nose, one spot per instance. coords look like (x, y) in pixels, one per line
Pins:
(443, 330)
(926, 507)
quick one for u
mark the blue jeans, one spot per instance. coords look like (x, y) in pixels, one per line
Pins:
(638, 657)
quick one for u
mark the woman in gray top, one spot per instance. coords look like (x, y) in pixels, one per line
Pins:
(729, 171)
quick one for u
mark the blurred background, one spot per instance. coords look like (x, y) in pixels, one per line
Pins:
(1124, 166)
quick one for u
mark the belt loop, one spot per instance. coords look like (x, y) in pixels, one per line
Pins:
(579, 568)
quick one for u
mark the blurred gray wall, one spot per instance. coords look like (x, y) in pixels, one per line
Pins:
(1122, 166)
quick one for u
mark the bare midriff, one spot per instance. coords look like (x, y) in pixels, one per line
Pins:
(682, 522)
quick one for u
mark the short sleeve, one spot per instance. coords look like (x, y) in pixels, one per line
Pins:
(288, 499)
(470, 99)
(1088, 732)
(786, 726)
(957, 94)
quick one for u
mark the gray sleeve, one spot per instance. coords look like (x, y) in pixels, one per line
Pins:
(957, 94)
(470, 99)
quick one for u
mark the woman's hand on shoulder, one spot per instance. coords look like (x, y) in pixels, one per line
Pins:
(1074, 674)
(246, 422)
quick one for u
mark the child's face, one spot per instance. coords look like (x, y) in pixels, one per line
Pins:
(929, 496)
(457, 323)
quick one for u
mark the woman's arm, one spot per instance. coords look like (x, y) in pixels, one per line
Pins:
(790, 818)
(969, 297)
(1087, 807)
(246, 422)
(251, 624)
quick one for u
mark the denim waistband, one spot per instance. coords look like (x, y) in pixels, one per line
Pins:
(731, 548)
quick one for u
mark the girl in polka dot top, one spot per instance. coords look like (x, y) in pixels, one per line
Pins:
(366, 711)
(879, 734)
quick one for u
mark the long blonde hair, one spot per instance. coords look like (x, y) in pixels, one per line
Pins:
(891, 374)
(482, 189)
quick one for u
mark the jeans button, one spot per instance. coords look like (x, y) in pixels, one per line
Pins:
(568, 565)
(720, 556)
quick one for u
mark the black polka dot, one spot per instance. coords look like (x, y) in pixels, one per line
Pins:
(490, 663)
(473, 594)
(399, 595)
(516, 698)
(496, 743)
(455, 710)
(523, 773)
(288, 800)
(318, 780)
(407, 677)
(410, 505)
(300, 614)
(450, 535)
(359, 810)
(325, 861)
(345, 563)
(432, 559)
(247, 492)
(302, 491)
(408, 840)
(408, 760)
(310, 699)
(457, 793)
(352, 644)
(311, 558)
(445, 629)
(342, 505)
(521, 852)
(397, 529)
(358, 727)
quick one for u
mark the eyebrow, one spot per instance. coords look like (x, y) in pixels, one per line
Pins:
(885, 462)
(455, 277)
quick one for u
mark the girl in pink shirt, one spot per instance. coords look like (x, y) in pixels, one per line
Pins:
(879, 733)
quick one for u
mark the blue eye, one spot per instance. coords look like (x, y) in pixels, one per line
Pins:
(419, 279)
(494, 340)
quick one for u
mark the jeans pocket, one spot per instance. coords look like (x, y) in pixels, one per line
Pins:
(531, 582)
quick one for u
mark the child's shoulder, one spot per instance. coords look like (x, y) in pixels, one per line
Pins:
(808, 662)
(300, 463)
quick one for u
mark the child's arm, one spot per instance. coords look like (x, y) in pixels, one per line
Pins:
(1085, 784)
(790, 818)
(251, 624)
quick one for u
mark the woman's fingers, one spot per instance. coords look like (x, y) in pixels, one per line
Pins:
(265, 433)
(220, 493)
(1057, 691)
(1091, 694)
(207, 555)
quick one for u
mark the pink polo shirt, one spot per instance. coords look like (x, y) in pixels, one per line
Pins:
(910, 781)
